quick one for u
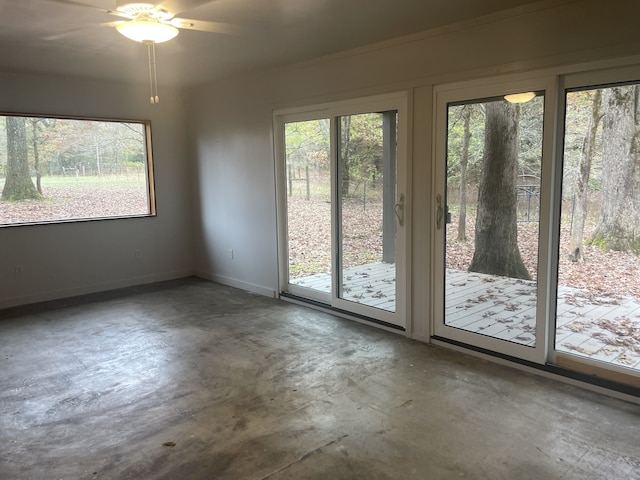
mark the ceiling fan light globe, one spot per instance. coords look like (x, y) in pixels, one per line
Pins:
(520, 97)
(144, 30)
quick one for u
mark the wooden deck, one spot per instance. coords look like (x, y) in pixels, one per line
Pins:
(373, 284)
(498, 307)
(600, 328)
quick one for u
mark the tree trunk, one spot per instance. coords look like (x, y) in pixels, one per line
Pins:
(496, 240)
(18, 184)
(464, 161)
(345, 168)
(620, 211)
(576, 249)
(36, 156)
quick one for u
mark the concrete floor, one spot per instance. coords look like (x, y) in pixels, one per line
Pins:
(193, 380)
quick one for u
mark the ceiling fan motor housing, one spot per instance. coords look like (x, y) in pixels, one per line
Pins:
(143, 9)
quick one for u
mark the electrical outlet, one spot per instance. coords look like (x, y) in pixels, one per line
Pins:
(230, 253)
(19, 271)
(138, 253)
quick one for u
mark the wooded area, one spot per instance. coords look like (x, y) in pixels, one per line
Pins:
(494, 165)
(49, 150)
(494, 155)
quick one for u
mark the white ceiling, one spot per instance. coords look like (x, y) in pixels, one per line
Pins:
(65, 36)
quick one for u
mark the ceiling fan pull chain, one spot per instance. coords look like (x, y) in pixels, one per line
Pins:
(155, 72)
(152, 100)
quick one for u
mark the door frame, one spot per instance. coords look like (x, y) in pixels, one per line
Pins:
(398, 101)
(585, 79)
(469, 91)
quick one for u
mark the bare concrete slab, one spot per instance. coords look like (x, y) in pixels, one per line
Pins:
(194, 380)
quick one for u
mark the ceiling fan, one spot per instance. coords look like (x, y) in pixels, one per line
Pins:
(155, 22)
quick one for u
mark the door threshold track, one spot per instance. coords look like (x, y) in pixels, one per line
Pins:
(549, 368)
(340, 311)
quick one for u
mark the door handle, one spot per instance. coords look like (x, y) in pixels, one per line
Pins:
(439, 211)
(398, 209)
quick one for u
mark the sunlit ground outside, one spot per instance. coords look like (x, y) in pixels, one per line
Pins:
(72, 198)
(366, 278)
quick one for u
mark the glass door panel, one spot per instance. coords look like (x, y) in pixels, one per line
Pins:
(366, 186)
(308, 200)
(490, 214)
(341, 238)
(598, 301)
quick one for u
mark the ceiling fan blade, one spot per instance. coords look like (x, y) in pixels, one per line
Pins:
(77, 4)
(205, 26)
(92, 7)
(71, 32)
(179, 6)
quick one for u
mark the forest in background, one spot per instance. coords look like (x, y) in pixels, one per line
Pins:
(600, 188)
(58, 169)
(600, 217)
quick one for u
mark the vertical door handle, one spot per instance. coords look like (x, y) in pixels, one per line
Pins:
(439, 211)
(398, 209)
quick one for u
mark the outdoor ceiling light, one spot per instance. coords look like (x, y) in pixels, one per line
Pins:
(145, 29)
(520, 97)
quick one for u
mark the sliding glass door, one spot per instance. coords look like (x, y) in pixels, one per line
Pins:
(487, 218)
(367, 220)
(340, 191)
(537, 248)
(597, 326)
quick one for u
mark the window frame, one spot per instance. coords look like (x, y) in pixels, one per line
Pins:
(572, 82)
(147, 142)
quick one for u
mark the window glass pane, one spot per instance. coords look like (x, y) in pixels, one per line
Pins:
(598, 309)
(494, 157)
(308, 175)
(367, 195)
(55, 170)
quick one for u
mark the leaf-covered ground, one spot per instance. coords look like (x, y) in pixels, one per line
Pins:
(80, 201)
(615, 274)
(309, 224)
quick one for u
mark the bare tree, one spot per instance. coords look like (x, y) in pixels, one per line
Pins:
(18, 184)
(576, 249)
(496, 240)
(464, 162)
(345, 157)
(620, 211)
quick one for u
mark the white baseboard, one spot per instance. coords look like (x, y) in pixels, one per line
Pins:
(233, 282)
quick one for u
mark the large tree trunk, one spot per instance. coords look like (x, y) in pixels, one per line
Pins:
(18, 184)
(620, 212)
(576, 249)
(496, 240)
(464, 162)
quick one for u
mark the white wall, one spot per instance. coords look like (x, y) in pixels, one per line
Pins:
(76, 258)
(231, 138)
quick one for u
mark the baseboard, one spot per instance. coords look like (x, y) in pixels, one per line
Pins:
(233, 282)
(38, 297)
